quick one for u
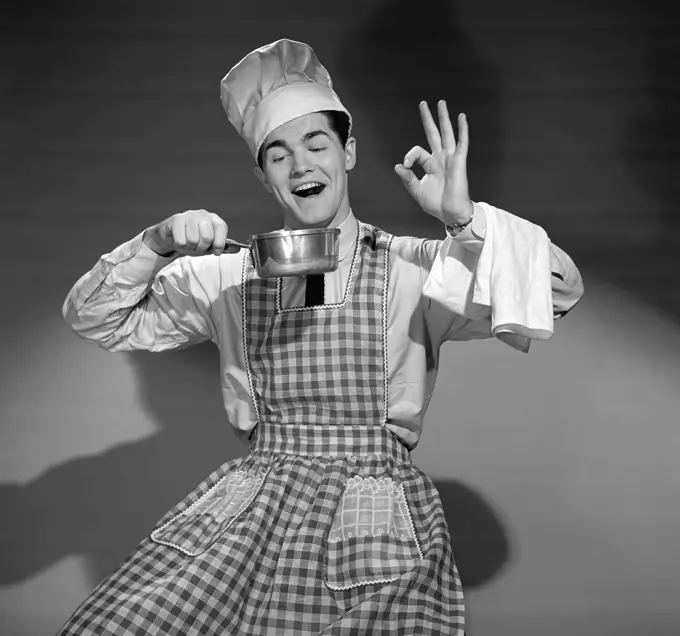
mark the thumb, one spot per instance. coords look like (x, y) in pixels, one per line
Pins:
(407, 177)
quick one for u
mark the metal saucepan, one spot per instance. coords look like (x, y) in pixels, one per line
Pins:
(293, 252)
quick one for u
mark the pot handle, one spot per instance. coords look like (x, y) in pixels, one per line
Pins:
(237, 244)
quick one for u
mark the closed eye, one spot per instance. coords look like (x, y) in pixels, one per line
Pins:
(317, 149)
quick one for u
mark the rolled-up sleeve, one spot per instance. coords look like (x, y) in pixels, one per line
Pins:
(567, 284)
(135, 299)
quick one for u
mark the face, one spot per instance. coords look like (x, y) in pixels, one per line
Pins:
(304, 166)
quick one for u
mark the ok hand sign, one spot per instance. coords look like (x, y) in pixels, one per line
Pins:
(443, 190)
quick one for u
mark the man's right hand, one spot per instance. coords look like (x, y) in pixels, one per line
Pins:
(193, 233)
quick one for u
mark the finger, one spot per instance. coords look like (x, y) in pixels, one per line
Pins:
(463, 135)
(448, 137)
(192, 233)
(431, 131)
(220, 231)
(417, 155)
(178, 233)
(206, 234)
(407, 177)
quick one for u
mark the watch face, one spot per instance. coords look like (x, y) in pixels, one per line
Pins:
(454, 230)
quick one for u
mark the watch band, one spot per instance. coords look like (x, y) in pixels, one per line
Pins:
(456, 229)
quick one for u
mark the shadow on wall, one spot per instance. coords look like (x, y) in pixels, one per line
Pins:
(478, 540)
(100, 507)
(399, 56)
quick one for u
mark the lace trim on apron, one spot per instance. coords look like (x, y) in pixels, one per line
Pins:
(348, 287)
(244, 319)
(386, 285)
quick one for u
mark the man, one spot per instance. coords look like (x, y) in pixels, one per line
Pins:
(325, 527)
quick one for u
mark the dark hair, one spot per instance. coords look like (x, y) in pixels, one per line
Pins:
(338, 122)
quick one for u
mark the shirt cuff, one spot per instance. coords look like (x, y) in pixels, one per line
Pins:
(136, 263)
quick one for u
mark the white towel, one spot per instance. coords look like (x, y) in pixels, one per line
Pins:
(509, 279)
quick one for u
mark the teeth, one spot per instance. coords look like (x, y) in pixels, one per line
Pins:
(306, 186)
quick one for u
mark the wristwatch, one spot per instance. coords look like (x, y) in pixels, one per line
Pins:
(455, 230)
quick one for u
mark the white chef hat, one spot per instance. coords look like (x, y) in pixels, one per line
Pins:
(274, 85)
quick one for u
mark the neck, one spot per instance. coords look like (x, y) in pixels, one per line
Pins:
(334, 221)
(342, 214)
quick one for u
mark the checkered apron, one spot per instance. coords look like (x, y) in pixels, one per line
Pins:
(325, 527)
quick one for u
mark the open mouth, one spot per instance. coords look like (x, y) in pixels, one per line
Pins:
(307, 190)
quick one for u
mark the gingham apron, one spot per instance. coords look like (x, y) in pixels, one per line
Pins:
(325, 527)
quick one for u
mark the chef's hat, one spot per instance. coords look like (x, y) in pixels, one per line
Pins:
(274, 85)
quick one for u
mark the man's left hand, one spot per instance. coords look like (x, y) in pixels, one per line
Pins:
(443, 190)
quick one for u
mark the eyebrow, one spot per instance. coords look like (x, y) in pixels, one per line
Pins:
(279, 143)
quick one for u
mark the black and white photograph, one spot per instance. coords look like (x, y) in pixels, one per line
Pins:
(340, 318)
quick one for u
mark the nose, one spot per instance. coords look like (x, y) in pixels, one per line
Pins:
(301, 163)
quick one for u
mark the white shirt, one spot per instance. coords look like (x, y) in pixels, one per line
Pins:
(135, 299)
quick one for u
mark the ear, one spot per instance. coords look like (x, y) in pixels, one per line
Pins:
(262, 178)
(350, 154)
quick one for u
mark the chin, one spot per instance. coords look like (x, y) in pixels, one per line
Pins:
(311, 219)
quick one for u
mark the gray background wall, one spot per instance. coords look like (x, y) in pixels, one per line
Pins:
(558, 470)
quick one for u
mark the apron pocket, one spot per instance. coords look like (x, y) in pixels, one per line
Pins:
(197, 528)
(372, 539)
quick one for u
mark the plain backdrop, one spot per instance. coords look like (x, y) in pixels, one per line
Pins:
(558, 469)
